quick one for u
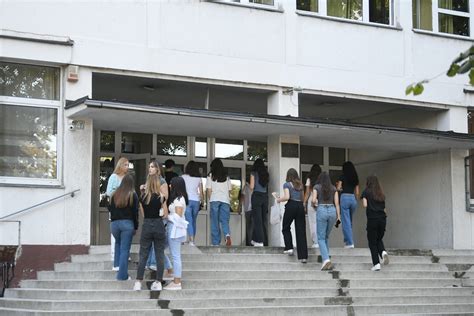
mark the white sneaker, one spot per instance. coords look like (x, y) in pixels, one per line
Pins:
(129, 278)
(385, 257)
(191, 243)
(156, 286)
(349, 246)
(326, 265)
(258, 244)
(376, 267)
(288, 252)
(252, 243)
(115, 268)
(315, 246)
(304, 260)
(153, 267)
(173, 287)
(137, 286)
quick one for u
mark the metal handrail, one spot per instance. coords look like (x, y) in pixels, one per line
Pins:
(39, 204)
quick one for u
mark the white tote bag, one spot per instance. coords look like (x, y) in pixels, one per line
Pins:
(275, 213)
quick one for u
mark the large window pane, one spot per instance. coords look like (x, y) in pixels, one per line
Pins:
(337, 156)
(28, 142)
(307, 5)
(348, 9)
(136, 143)
(172, 145)
(456, 5)
(27, 81)
(453, 24)
(201, 147)
(107, 141)
(422, 15)
(229, 149)
(311, 155)
(379, 11)
(235, 176)
(256, 150)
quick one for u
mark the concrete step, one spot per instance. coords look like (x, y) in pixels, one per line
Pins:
(413, 291)
(45, 294)
(453, 252)
(193, 275)
(105, 249)
(188, 284)
(77, 304)
(390, 274)
(413, 308)
(262, 258)
(388, 283)
(391, 267)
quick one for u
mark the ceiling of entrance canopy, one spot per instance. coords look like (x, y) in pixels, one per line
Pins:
(205, 123)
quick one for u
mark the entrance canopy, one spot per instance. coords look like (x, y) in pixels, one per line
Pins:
(206, 123)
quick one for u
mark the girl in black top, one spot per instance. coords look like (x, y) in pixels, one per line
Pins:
(124, 223)
(153, 231)
(373, 199)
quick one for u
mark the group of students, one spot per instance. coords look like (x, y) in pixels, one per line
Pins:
(170, 210)
(162, 207)
(329, 205)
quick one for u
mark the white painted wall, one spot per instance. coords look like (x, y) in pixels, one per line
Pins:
(208, 40)
(425, 200)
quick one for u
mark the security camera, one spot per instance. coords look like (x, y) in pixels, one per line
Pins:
(71, 127)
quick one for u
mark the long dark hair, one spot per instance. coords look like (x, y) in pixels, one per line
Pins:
(350, 174)
(374, 189)
(260, 168)
(178, 189)
(326, 186)
(292, 176)
(192, 169)
(314, 174)
(123, 196)
(218, 172)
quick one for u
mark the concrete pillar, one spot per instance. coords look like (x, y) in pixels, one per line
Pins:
(455, 119)
(280, 103)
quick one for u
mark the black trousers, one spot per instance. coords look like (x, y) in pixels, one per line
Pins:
(259, 216)
(248, 228)
(153, 230)
(375, 233)
(294, 210)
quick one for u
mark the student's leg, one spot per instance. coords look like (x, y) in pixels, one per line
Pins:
(300, 228)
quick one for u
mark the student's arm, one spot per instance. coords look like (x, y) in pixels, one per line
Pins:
(314, 199)
(111, 185)
(285, 197)
(179, 207)
(339, 185)
(336, 202)
(357, 192)
(140, 207)
(201, 191)
(164, 190)
(252, 182)
(307, 193)
(364, 202)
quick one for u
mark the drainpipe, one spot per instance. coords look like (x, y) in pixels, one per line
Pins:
(467, 163)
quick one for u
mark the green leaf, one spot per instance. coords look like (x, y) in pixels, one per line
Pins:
(409, 90)
(418, 89)
(471, 77)
(453, 70)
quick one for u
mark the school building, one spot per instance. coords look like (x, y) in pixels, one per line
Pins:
(295, 82)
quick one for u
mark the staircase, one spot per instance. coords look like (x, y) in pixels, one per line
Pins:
(257, 281)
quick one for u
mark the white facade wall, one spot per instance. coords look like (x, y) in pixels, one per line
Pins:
(193, 40)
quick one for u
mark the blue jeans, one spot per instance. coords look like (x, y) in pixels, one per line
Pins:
(175, 251)
(348, 207)
(220, 214)
(123, 231)
(192, 211)
(325, 219)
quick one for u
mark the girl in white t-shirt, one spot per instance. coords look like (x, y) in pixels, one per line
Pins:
(192, 179)
(176, 227)
(218, 186)
(310, 210)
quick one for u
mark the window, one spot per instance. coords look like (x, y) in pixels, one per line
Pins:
(267, 2)
(256, 150)
(29, 112)
(172, 145)
(229, 149)
(200, 147)
(374, 11)
(443, 16)
(136, 143)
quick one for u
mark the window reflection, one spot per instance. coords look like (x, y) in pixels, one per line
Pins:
(229, 149)
(172, 145)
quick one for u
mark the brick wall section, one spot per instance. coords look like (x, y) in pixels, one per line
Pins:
(35, 258)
